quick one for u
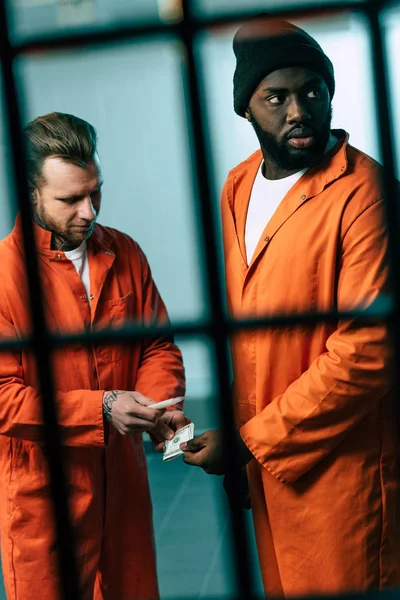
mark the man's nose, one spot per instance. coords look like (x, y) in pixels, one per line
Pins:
(86, 210)
(298, 111)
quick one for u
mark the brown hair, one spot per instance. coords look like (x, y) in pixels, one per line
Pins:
(59, 135)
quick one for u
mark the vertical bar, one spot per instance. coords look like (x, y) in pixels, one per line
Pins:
(40, 344)
(390, 185)
(219, 331)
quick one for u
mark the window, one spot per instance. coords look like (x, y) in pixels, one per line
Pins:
(191, 43)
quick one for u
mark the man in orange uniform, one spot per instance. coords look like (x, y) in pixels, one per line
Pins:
(93, 277)
(303, 231)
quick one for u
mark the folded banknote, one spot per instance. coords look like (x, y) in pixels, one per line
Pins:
(171, 447)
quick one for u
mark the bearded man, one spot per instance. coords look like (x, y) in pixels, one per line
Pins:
(304, 231)
(93, 277)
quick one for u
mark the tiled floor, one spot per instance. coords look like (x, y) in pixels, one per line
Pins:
(191, 522)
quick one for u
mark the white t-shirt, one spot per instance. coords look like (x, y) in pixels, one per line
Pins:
(265, 198)
(79, 258)
(266, 195)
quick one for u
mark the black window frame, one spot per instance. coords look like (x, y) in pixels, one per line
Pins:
(218, 326)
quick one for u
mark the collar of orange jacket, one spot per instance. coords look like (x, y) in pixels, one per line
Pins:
(100, 238)
(333, 165)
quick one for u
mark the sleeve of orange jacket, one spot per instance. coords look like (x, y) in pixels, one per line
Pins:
(161, 373)
(80, 412)
(307, 422)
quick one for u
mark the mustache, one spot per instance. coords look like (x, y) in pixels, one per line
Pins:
(300, 131)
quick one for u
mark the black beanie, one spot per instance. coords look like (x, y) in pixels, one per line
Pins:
(267, 44)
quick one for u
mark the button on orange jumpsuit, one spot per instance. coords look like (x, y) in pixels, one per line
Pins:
(314, 404)
(106, 472)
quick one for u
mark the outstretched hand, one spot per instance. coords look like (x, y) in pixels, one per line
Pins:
(167, 424)
(206, 451)
(130, 412)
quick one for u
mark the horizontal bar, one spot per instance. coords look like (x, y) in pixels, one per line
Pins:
(133, 31)
(129, 333)
(388, 594)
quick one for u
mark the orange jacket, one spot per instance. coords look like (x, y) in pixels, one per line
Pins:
(314, 404)
(106, 472)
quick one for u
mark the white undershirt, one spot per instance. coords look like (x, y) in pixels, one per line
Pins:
(79, 258)
(266, 195)
(265, 198)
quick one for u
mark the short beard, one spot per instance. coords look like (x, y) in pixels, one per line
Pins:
(62, 239)
(291, 159)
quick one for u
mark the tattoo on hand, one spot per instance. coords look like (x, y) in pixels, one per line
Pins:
(108, 400)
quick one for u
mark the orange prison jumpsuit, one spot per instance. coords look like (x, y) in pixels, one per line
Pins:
(314, 404)
(106, 472)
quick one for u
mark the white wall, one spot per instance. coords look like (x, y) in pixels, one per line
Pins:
(132, 93)
(392, 23)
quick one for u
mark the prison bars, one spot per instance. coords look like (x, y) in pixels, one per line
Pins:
(218, 326)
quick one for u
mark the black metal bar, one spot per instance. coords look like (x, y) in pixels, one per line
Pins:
(390, 185)
(219, 327)
(388, 594)
(201, 177)
(40, 341)
(128, 32)
(129, 333)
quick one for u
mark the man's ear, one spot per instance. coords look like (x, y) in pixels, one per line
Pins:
(248, 116)
(34, 194)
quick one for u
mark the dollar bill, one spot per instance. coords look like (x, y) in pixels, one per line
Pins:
(171, 447)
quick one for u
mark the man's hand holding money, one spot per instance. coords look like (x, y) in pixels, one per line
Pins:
(167, 424)
(208, 452)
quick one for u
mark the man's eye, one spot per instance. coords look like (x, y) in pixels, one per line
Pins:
(68, 200)
(276, 99)
(314, 93)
